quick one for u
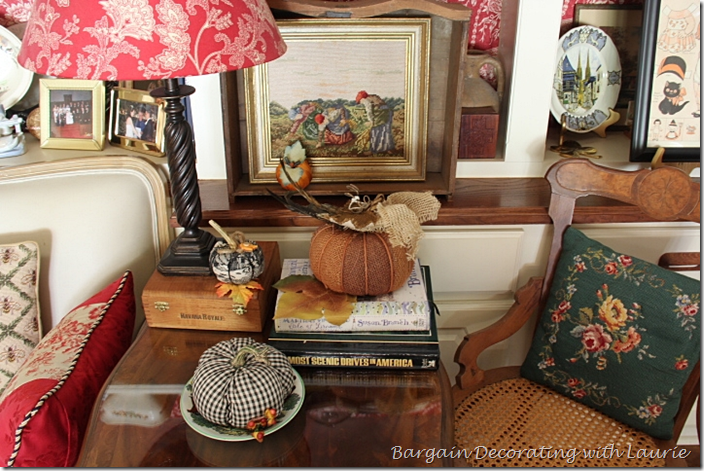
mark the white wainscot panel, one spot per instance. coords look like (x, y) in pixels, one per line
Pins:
(475, 272)
(458, 317)
(646, 241)
(475, 260)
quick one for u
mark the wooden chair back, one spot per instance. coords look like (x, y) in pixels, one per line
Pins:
(663, 194)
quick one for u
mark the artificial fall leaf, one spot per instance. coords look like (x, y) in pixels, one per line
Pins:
(304, 297)
(240, 294)
(295, 153)
(304, 284)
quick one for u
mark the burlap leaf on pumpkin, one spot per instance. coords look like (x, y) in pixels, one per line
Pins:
(401, 216)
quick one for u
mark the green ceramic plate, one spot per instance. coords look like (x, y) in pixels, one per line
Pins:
(197, 422)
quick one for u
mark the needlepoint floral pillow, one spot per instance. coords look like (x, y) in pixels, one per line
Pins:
(20, 326)
(618, 334)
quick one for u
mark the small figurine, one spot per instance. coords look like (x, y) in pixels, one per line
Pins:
(11, 135)
(297, 169)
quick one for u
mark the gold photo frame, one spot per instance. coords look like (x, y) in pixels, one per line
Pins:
(72, 114)
(137, 121)
(312, 95)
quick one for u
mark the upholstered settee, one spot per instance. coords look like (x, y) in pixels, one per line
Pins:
(79, 238)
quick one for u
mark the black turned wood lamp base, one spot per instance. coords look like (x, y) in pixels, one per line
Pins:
(188, 255)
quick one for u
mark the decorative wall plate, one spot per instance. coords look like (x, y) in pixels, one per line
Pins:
(587, 79)
(14, 79)
(292, 405)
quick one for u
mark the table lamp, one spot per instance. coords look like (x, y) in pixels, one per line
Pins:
(154, 40)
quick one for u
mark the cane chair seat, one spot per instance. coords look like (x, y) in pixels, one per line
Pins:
(520, 415)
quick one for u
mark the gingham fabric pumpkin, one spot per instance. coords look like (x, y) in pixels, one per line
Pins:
(236, 380)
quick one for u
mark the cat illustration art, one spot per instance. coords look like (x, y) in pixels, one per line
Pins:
(674, 94)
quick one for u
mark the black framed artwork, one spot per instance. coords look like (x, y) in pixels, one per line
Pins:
(667, 105)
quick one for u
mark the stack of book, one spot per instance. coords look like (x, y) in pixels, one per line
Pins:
(393, 331)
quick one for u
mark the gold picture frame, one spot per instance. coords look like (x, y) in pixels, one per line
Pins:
(137, 121)
(312, 95)
(72, 114)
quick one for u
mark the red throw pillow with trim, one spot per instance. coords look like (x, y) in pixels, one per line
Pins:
(45, 409)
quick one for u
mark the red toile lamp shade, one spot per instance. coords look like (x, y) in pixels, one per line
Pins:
(154, 40)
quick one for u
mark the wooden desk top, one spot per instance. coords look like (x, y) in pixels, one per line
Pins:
(349, 417)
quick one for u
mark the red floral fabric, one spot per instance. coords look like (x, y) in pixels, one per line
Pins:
(58, 385)
(147, 39)
(484, 26)
(14, 11)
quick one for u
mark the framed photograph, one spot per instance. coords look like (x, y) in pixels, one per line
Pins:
(354, 92)
(72, 114)
(137, 121)
(667, 105)
(623, 24)
(149, 85)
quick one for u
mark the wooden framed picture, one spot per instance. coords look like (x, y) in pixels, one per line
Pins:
(354, 92)
(72, 114)
(137, 121)
(667, 105)
(623, 24)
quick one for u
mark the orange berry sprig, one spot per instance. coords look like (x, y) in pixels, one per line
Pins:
(257, 425)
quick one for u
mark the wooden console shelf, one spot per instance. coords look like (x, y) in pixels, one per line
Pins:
(476, 201)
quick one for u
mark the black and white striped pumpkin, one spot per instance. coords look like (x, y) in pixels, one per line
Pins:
(236, 380)
(237, 267)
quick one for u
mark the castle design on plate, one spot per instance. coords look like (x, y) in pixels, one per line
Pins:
(588, 75)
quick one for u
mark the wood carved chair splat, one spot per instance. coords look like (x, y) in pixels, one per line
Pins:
(665, 194)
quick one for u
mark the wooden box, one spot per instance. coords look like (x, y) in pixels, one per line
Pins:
(190, 302)
(479, 131)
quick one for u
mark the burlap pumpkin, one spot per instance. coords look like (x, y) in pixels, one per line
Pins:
(358, 263)
(231, 394)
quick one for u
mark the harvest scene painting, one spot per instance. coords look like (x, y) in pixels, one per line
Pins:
(339, 105)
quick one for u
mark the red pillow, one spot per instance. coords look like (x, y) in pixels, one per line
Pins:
(45, 409)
